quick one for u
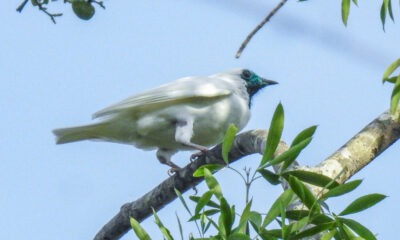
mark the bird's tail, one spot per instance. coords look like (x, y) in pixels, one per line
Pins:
(73, 134)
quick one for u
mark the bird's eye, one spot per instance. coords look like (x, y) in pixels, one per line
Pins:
(246, 74)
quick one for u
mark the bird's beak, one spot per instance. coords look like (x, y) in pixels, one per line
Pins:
(268, 82)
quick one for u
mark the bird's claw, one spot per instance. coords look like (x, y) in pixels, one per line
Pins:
(173, 170)
(195, 156)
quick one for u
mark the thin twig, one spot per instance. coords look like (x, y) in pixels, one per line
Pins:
(100, 3)
(240, 174)
(258, 27)
(51, 15)
(22, 5)
(43, 9)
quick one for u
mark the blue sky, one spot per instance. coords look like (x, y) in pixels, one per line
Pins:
(58, 75)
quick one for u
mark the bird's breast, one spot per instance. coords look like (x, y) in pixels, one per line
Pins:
(211, 118)
(211, 122)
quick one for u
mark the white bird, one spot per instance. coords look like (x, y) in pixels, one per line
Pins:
(191, 113)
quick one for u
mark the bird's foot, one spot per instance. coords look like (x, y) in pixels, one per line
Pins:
(164, 156)
(197, 155)
(173, 170)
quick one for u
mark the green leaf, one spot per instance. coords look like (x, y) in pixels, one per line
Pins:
(394, 101)
(163, 229)
(285, 198)
(210, 222)
(179, 225)
(255, 219)
(304, 194)
(395, 97)
(320, 218)
(314, 230)
(244, 218)
(342, 189)
(297, 149)
(384, 8)
(362, 203)
(358, 228)
(139, 231)
(204, 199)
(345, 11)
(207, 213)
(392, 67)
(315, 179)
(274, 134)
(306, 133)
(83, 9)
(345, 233)
(297, 214)
(285, 230)
(203, 222)
(226, 218)
(297, 225)
(212, 167)
(182, 200)
(288, 156)
(350, 234)
(355, 2)
(239, 236)
(210, 203)
(328, 235)
(391, 79)
(270, 234)
(211, 212)
(212, 183)
(270, 176)
(390, 10)
(228, 141)
(316, 219)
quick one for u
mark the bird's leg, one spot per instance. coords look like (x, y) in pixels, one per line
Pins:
(164, 156)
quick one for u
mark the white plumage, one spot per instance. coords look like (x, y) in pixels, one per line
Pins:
(189, 113)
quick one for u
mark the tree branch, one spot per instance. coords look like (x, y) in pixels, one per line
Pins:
(349, 159)
(360, 150)
(21, 6)
(245, 144)
(258, 27)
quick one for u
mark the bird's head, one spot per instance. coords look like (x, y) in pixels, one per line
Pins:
(249, 82)
(254, 82)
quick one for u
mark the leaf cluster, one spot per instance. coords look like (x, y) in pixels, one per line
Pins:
(217, 219)
(83, 9)
(386, 9)
(388, 77)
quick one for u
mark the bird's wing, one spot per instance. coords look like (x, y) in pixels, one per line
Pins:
(179, 91)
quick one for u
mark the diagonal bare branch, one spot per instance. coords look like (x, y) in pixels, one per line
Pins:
(258, 27)
(361, 149)
(21, 6)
